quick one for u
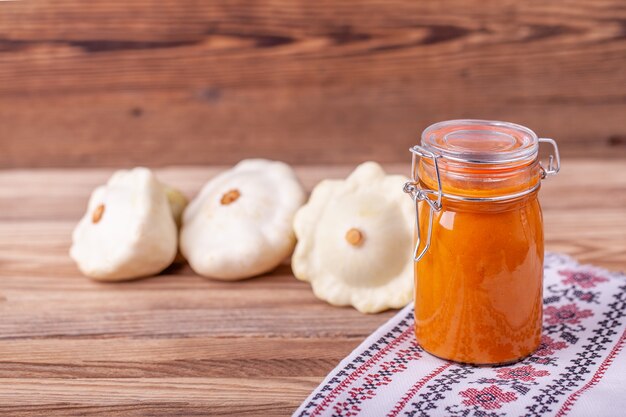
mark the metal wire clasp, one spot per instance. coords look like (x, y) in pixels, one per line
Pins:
(554, 163)
(418, 194)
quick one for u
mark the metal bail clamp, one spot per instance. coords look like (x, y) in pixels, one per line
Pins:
(553, 168)
(418, 194)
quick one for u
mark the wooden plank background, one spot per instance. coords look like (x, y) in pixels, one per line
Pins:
(158, 82)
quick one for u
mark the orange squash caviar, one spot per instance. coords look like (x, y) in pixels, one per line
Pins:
(478, 286)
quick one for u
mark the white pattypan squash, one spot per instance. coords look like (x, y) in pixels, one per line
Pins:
(128, 230)
(240, 225)
(354, 241)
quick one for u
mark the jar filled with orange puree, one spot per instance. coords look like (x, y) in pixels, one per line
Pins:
(479, 240)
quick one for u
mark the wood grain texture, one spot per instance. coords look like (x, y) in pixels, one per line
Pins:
(192, 82)
(177, 344)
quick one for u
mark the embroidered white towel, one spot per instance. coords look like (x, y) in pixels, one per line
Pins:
(578, 371)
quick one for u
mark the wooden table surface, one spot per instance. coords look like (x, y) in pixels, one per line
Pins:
(178, 344)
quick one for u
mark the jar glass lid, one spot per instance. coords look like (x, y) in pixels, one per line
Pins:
(481, 141)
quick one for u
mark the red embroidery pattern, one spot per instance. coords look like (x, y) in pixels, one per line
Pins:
(489, 398)
(581, 278)
(548, 346)
(569, 314)
(522, 373)
(415, 388)
(367, 390)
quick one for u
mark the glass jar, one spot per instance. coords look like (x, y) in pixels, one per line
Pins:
(479, 240)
